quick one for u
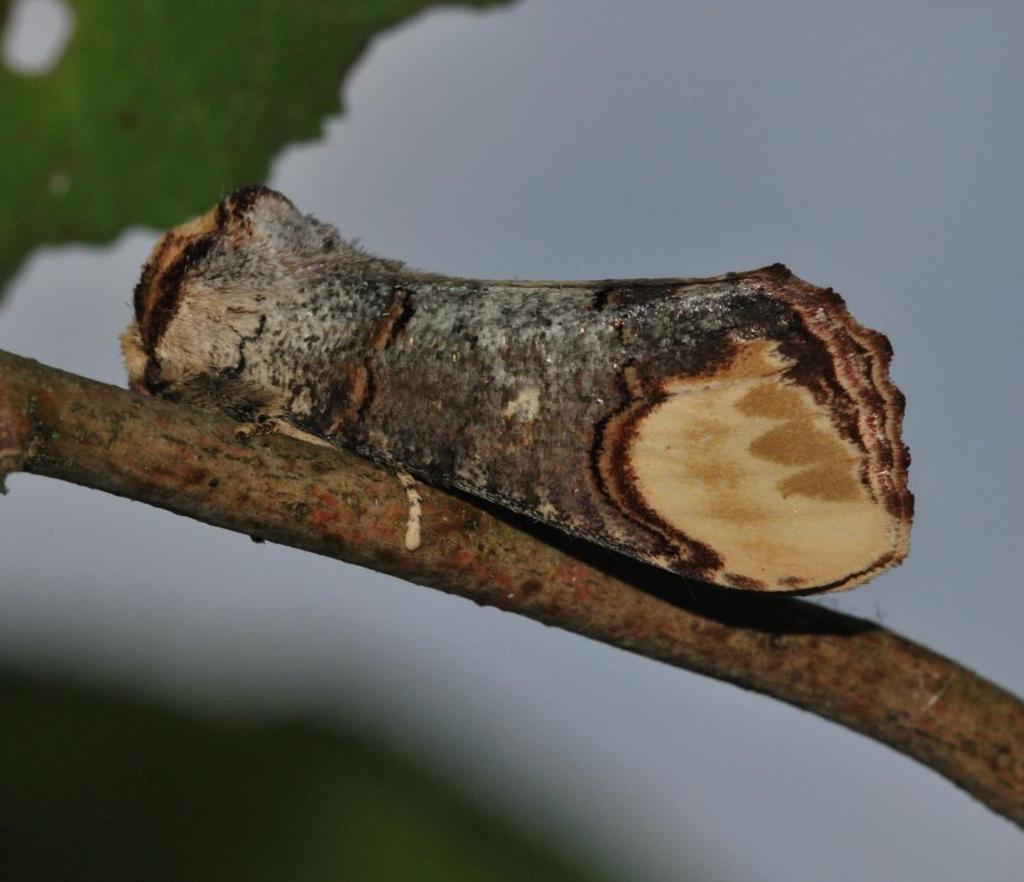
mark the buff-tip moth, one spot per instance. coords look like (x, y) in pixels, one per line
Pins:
(740, 429)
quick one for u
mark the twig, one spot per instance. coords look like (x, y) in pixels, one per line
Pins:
(846, 669)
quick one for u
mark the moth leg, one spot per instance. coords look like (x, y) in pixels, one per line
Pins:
(256, 427)
(264, 424)
(251, 406)
(412, 525)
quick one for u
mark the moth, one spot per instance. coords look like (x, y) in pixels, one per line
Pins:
(741, 429)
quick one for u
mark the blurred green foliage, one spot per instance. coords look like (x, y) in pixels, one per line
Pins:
(102, 787)
(158, 108)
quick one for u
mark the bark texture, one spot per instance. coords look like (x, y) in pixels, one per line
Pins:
(849, 670)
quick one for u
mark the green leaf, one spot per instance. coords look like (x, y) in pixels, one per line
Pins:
(101, 787)
(157, 108)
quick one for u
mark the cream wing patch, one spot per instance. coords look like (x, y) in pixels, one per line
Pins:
(749, 464)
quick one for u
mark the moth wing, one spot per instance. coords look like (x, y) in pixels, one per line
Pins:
(751, 470)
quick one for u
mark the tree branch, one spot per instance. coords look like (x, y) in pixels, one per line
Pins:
(846, 669)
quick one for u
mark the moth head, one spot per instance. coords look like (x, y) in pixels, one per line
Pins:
(205, 284)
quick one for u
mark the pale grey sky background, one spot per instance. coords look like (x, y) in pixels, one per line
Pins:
(873, 147)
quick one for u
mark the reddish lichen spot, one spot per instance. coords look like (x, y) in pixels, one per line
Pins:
(15, 431)
(321, 519)
(462, 558)
(325, 498)
(189, 475)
